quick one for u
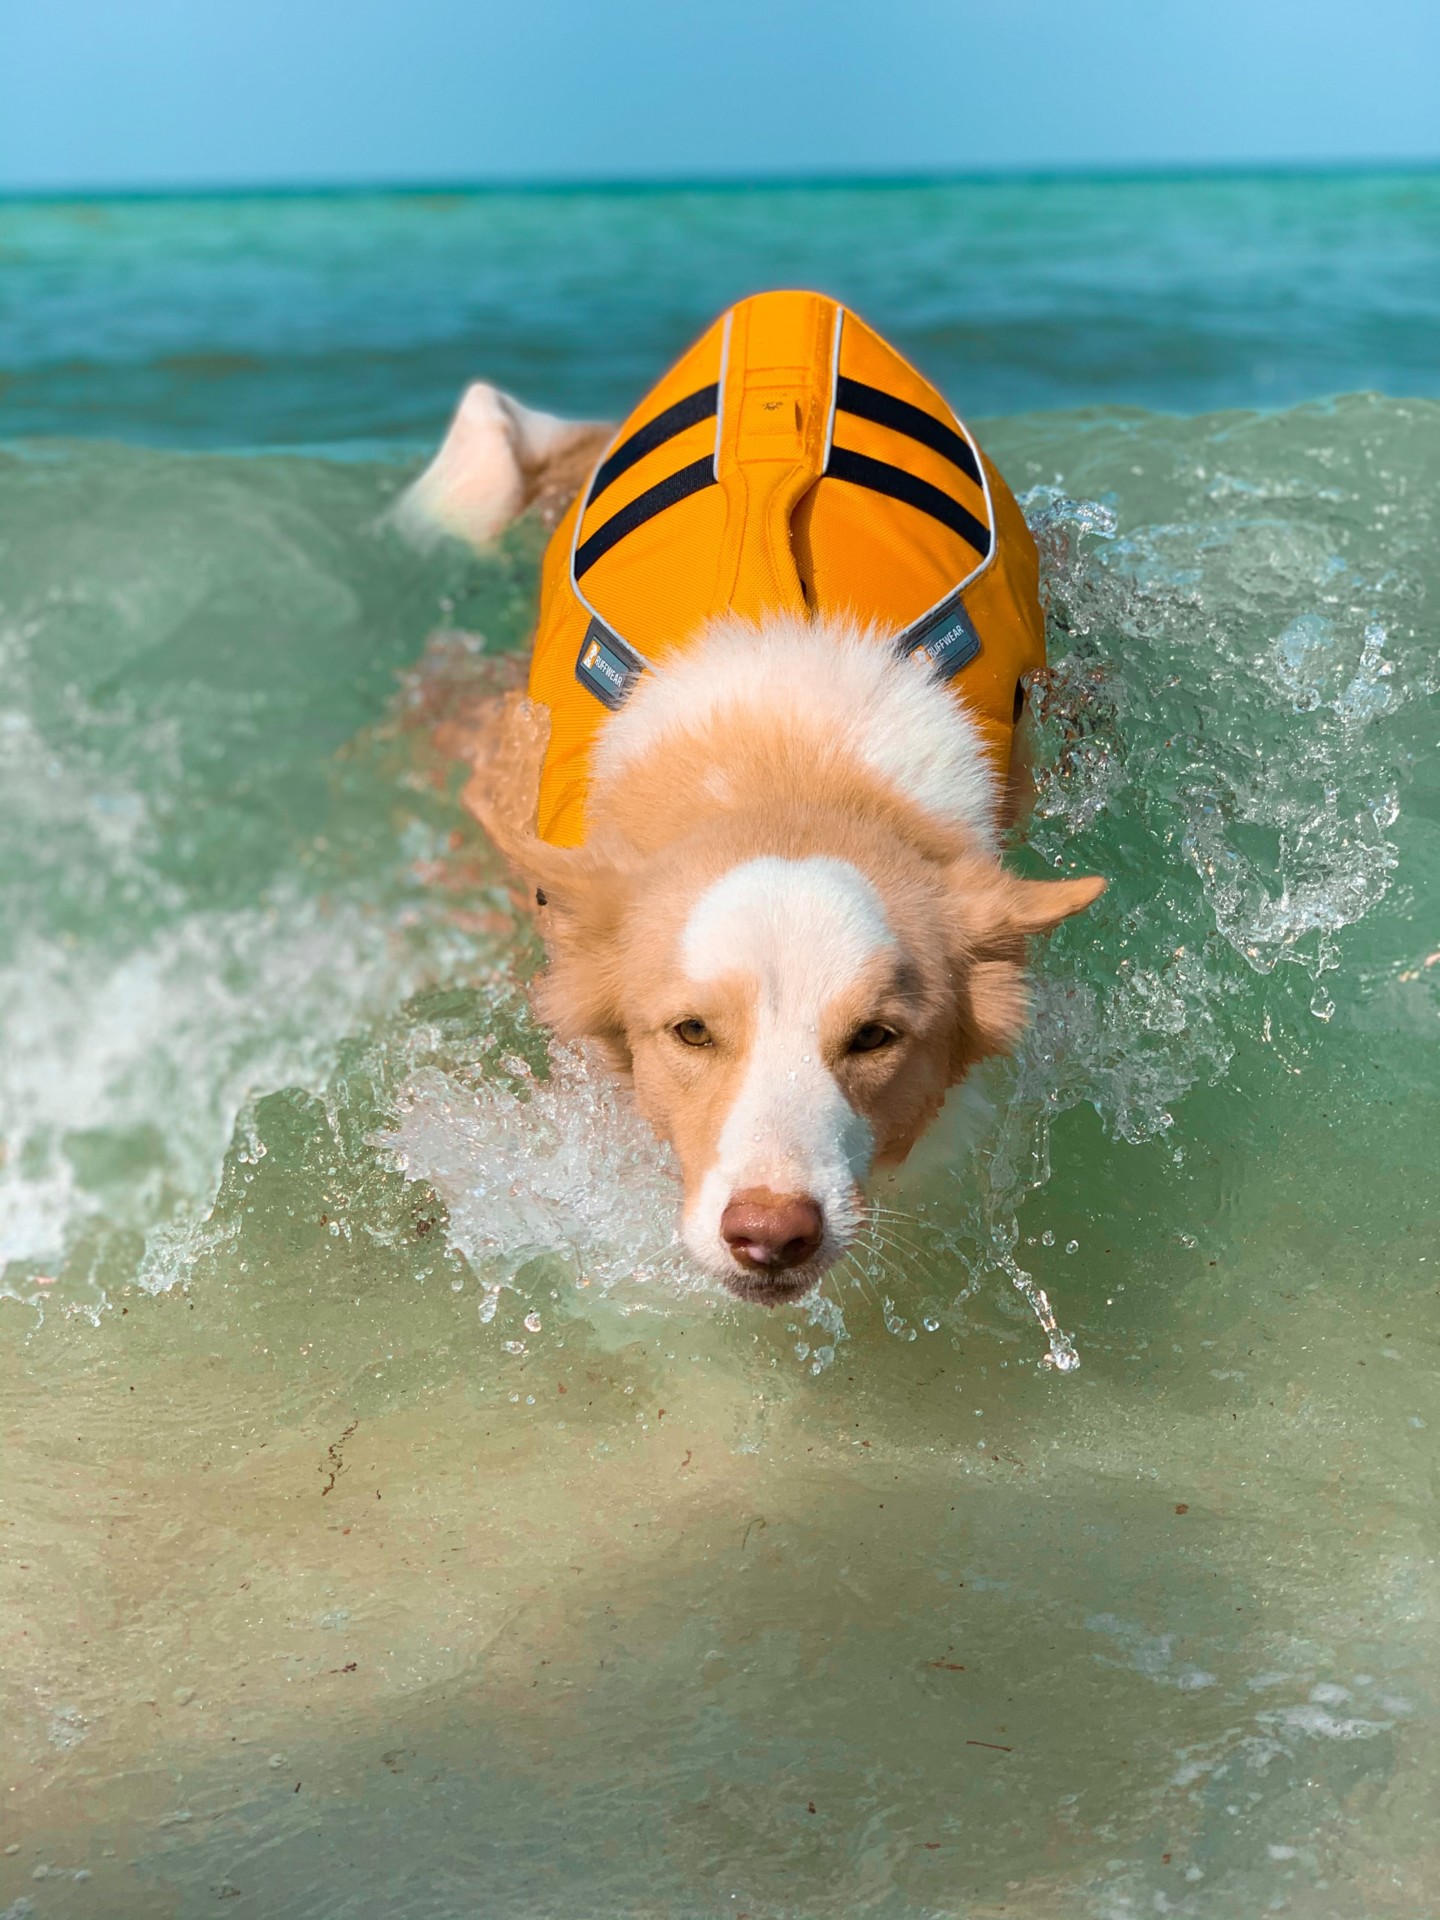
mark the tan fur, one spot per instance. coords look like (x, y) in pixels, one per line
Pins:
(552, 484)
(736, 786)
(616, 907)
(504, 738)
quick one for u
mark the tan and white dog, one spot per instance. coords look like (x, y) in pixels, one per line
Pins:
(765, 846)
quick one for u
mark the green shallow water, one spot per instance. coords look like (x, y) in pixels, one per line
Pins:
(394, 1526)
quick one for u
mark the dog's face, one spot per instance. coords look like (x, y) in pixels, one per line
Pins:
(790, 1022)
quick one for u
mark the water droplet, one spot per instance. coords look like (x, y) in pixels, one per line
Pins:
(1072, 1246)
(532, 1322)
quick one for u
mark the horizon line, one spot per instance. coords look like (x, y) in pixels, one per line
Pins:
(641, 184)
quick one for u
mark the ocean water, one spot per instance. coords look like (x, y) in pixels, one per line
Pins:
(1074, 1551)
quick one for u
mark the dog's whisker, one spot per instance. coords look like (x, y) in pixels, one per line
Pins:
(888, 1238)
(892, 1216)
(917, 1249)
(859, 1276)
(900, 1224)
(891, 1219)
(870, 1284)
(892, 1225)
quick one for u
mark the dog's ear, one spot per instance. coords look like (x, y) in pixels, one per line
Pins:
(504, 737)
(582, 895)
(993, 914)
(997, 912)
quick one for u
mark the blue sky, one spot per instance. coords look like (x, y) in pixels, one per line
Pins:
(154, 93)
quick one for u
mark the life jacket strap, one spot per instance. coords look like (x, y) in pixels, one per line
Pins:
(902, 416)
(880, 477)
(697, 406)
(665, 493)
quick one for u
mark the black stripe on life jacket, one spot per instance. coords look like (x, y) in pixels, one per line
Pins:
(885, 410)
(701, 405)
(880, 477)
(665, 493)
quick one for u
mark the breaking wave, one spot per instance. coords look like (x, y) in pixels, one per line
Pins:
(236, 866)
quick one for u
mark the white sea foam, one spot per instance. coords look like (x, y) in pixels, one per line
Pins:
(121, 1077)
(560, 1166)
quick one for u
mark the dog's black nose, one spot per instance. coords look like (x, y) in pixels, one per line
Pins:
(770, 1232)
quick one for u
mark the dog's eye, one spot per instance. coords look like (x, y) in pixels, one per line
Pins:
(694, 1033)
(871, 1037)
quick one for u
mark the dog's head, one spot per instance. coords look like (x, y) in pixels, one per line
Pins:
(792, 1010)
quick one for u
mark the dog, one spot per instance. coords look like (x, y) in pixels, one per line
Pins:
(759, 779)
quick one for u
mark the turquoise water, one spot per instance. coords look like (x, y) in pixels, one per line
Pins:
(308, 321)
(393, 1525)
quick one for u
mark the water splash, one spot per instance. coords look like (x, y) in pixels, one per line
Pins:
(555, 1166)
(122, 1077)
(1221, 732)
(1224, 760)
(1060, 1348)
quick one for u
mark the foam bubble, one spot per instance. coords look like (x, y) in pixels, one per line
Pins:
(122, 1076)
(558, 1165)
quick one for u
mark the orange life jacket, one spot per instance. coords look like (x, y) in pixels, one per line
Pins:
(790, 461)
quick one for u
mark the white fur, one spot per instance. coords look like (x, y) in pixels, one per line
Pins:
(836, 676)
(477, 482)
(800, 932)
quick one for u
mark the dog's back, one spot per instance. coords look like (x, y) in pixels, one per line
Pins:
(792, 462)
